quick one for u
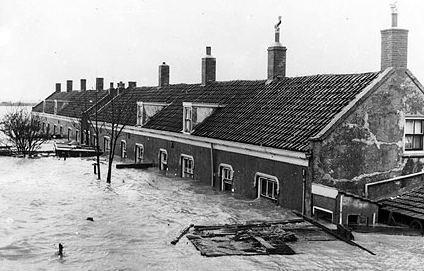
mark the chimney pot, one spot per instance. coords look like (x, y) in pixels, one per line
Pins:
(83, 84)
(69, 85)
(276, 56)
(99, 83)
(58, 87)
(208, 50)
(163, 75)
(111, 85)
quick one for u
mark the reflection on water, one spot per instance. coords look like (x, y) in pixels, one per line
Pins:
(46, 201)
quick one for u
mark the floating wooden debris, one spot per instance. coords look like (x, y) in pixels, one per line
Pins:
(70, 150)
(142, 165)
(263, 238)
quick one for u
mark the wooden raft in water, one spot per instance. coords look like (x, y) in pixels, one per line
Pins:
(264, 238)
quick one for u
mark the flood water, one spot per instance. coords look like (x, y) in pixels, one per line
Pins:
(46, 201)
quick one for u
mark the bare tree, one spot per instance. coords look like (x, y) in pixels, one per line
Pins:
(93, 123)
(115, 116)
(23, 131)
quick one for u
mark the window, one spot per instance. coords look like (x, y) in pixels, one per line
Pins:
(61, 130)
(226, 177)
(188, 112)
(93, 140)
(268, 186)
(123, 149)
(54, 129)
(139, 153)
(43, 127)
(48, 128)
(140, 113)
(69, 134)
(88, 137)
(414, 135)
(187, 166)
(76, 135)
(106, 143)
(163, 159)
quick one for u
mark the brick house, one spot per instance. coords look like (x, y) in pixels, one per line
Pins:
(309, 143)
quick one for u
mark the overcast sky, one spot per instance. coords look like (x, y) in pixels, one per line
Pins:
(47, 41)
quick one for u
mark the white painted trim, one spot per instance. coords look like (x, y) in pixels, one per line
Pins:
(221, 179)
(367, 185)
(120, 145)
(325, 191)
(281, 155)
(352, 103)
(411, 152)
(264, 175)
(160, 158)
(153, 103)
(324, 210)
(191, 104)
(182, 155)
(58, 117)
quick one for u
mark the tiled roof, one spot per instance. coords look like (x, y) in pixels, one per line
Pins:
(410, 203)
(285, 114)
(60, 96)
(81, 102)
(282, 114)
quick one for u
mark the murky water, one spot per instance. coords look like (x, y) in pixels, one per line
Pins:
(46, 201)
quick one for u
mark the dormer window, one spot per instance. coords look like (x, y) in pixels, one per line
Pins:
(140, 113)
(196, 113)
(188, 119)
(146, 110)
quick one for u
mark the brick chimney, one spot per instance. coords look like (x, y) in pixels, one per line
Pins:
(58, 87)
(394, 44)
(83, 84)
(132, 84)
(68, 85)
(99, 83)
(163, 75)
(276, 56)
(208, 67)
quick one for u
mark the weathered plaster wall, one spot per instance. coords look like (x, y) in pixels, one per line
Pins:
(368, 145)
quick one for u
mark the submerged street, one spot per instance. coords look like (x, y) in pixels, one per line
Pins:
(46, 201)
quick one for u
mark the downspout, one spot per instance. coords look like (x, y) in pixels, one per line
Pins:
(212, 166)
(341, 210)
(304, 191)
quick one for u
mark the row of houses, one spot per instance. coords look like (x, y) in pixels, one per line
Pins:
(310, 143)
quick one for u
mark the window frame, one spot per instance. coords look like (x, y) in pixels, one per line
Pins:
(187, 118)
(184, 172)
(140, 113)
(163, 163)
(229, 180)
(106, 143)
(123, 150)
(270, 179)
(414, 134)
(138, 158)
